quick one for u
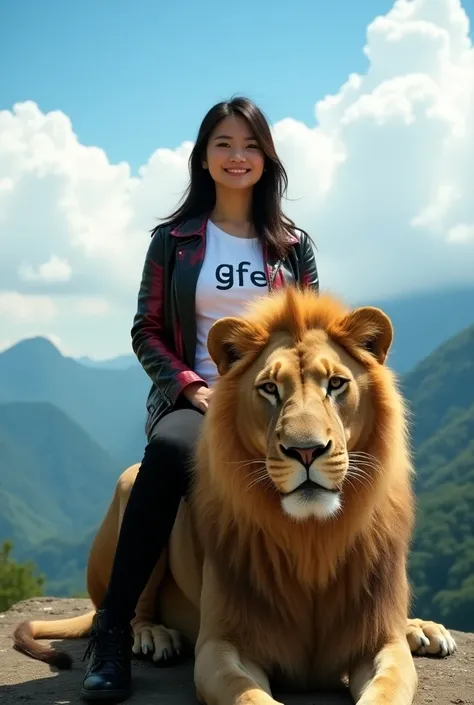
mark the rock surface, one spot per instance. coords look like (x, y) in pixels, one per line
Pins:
(447, 681)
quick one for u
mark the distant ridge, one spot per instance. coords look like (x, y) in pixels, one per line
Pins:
(108, 403)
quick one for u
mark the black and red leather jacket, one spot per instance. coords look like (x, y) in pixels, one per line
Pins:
(164, 327)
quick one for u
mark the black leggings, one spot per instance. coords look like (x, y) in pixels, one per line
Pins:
(162, 480)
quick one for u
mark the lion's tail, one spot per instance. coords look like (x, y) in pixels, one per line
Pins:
(26, 633)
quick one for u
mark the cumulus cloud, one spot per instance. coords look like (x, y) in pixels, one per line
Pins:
(16, 307)
(398, 211)
(382, 181)
(54, 270)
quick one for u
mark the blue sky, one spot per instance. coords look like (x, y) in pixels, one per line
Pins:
(133, 76)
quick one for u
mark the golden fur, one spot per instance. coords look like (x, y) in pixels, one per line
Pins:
(274, 582)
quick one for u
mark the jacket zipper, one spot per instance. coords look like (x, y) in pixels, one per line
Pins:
(275, 269)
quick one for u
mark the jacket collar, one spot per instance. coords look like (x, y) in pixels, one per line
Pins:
(193, 226)
(197, 226)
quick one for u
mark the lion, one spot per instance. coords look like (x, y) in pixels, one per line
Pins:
(287, 564)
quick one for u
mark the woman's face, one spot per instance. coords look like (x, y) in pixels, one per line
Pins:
(233, 156)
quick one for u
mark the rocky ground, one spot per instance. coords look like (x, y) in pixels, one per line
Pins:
(23, 680)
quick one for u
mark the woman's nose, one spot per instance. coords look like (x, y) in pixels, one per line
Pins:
(236, 155)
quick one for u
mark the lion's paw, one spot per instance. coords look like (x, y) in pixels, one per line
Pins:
(429, 638)
(162, 644)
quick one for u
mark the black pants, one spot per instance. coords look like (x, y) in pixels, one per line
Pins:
(162, 480)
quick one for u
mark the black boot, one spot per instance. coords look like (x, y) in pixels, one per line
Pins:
(108, 674)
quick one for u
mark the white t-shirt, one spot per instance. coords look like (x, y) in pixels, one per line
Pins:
(231, 275)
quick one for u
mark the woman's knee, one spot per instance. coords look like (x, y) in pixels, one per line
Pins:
(175, 435)
(168, 455)
(164, 448)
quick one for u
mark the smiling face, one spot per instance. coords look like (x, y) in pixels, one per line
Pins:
(233, 155)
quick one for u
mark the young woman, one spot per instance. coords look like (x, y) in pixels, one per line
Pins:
(227, 243)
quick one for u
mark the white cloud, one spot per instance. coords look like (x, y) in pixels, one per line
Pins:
(383, 183)
(54, 270)
(461, 233)
(15, 307)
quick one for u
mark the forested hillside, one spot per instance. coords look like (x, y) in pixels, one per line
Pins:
(55, 481)
(441, 394)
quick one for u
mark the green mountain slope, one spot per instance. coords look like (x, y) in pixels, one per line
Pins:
(62, 561)
(109, 404)
(20, 489)
(441, 395)
(448, 454)
(441, 385)
(54, 478)
(21, 524)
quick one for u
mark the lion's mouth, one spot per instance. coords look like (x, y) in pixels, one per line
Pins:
(309, 488)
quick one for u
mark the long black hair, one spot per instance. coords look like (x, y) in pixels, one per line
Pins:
(271, 225)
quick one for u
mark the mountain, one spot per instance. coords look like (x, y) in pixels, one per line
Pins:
(55, 480)
(446, 456)
(122, 362)
(62, 560)
(440, 391)
(108, 404)
(442, 385)
(21, 524)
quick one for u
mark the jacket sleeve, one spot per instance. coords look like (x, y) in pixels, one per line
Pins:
(159, 361)
(309, 270)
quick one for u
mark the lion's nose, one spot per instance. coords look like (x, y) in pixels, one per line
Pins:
(306, 455)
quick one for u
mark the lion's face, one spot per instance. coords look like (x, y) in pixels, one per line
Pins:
(303, 405)
(308, 402)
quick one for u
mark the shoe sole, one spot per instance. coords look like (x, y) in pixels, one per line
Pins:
(101, 695)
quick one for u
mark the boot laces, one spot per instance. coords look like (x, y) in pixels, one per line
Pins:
(107, 646)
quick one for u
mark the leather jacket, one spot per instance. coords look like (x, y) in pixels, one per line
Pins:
(164, 327)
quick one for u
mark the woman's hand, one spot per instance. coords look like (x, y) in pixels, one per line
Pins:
(198, 394)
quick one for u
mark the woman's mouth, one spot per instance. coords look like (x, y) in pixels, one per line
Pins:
(236, 171)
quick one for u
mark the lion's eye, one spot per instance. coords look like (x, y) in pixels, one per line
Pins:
(269, 388)
(337, 384)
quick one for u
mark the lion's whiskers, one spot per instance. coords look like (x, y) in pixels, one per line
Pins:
(260, 476)
(360, 463)
(366, 459)
(246, 463)
(362, 476)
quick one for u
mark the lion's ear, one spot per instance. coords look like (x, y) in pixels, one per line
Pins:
(371, 329)
(229, 339)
